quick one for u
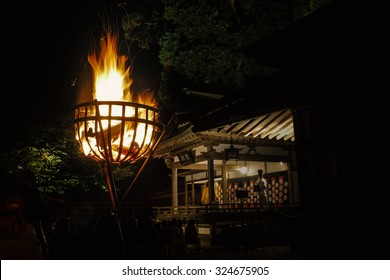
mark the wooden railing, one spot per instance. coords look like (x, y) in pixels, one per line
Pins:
(198, 211)
(179, 211)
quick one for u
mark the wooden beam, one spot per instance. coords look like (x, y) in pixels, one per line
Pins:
(221, 156)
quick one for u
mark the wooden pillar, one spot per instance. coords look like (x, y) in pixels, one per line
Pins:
(211, 179)
(192, 189)
(210, 173)
(210, 165)
(174, 188)
(224, 182)
(185, 191)
(291, 198)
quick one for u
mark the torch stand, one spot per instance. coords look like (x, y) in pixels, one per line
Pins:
(111, 185)
(115, 208)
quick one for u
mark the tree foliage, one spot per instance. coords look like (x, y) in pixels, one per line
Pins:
(202, 40)
(50, 152)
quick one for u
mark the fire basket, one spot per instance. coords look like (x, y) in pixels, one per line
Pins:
(115, 131)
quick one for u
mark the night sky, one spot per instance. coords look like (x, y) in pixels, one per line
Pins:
(53, 45)
(44, 50)
(47, 48)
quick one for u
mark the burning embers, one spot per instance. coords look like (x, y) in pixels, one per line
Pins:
(115, 126)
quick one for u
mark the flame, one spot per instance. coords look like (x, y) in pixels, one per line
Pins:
(111, 76)
(124, 139)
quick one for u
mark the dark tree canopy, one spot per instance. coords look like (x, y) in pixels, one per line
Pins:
(200, 43)
(203, 41)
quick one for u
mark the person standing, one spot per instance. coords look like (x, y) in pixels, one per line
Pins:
(18, 236)
(191, 235)
(261, 188)
(205, 195)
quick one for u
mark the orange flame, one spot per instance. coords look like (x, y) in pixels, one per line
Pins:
(111, 76)
(111, 82)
